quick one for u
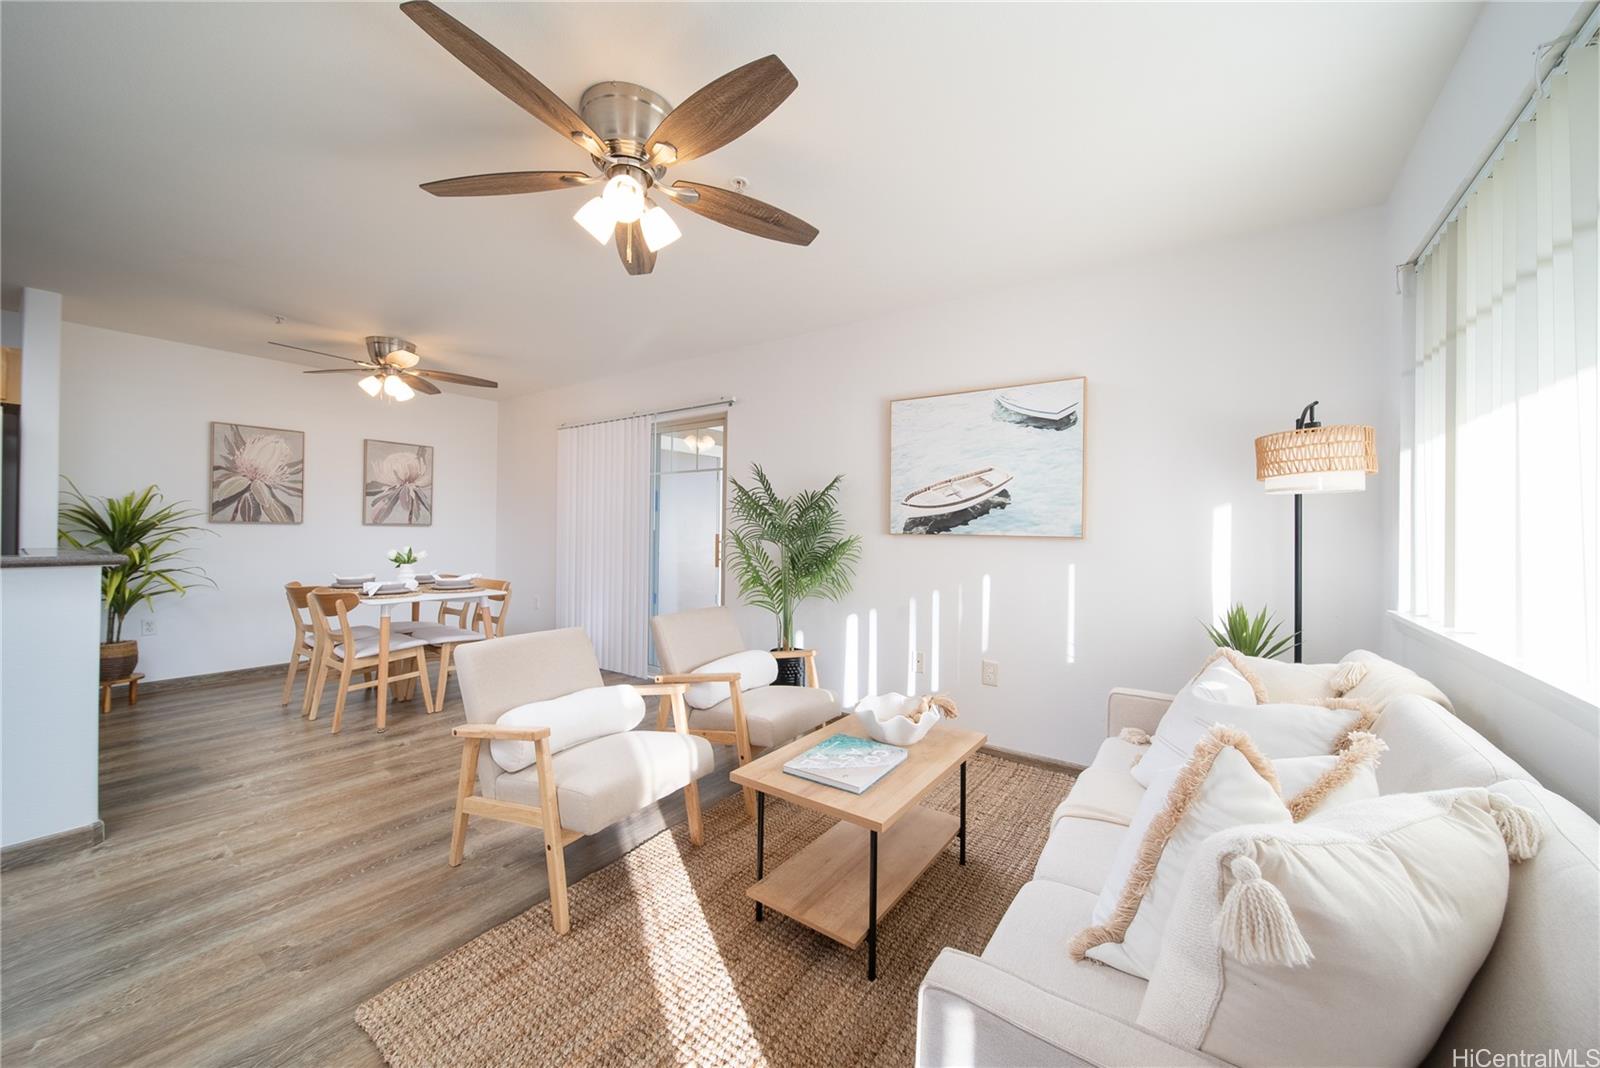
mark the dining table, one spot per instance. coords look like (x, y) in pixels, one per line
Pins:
(423, 594)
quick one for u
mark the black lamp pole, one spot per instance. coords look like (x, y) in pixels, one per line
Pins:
(1306, 420)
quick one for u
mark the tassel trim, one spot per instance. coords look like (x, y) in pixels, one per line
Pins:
(1518, 826)
(1134, 736)
(1347, 676)
(1255, 925)
(1361, 749)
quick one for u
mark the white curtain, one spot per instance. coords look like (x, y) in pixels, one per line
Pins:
(603, 538)
(1503, 458)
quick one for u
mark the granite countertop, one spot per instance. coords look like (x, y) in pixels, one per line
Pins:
(62, 558)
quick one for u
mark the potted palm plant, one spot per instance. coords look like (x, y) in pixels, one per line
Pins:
(788, 549)
(148, 533)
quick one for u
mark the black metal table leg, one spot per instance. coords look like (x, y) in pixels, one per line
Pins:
(872, 909)
(761, 835)
(962, 833)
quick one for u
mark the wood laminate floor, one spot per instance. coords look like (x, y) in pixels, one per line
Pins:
(259, 879)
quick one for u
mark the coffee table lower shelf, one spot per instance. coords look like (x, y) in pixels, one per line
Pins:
(825, 886)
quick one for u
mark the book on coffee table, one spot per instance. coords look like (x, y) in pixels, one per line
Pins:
(846, 762)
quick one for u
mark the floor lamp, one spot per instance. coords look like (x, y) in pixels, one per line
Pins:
(1313, 458)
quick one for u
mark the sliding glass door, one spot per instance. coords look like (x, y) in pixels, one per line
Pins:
(686, 493)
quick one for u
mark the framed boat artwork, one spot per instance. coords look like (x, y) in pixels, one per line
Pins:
(1005, 461)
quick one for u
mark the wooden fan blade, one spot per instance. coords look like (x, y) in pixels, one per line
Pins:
(746, 213)
(463, 380)
(636, 256)
(420, 383)
(496, 185)
(722, 111)
(341, 371)
(317, 352)
(498, 69)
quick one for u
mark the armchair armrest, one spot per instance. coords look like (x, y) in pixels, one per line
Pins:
(694, 677)
(660, 689)
(1135, 708)
(971, 1012)
(493, 731)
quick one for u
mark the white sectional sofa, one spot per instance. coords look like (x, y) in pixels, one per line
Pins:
(1024, 1001)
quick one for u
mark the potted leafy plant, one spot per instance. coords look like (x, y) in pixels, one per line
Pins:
(1256, 636)
(788, 549)
(148, 534)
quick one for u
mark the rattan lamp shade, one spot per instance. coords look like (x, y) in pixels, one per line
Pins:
(1317, 459)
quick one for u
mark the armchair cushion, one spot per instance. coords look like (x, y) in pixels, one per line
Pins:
(684, 640)
(573, 719)
(608, 779)
(773, 714)
(755, 667)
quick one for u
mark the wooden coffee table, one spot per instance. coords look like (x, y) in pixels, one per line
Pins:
(843, 883)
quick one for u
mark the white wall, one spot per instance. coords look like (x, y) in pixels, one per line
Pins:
(137, 410)
(1188, 355)
(1540, 728)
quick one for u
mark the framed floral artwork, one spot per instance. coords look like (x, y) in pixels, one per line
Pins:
(258, 474)
(398, 490)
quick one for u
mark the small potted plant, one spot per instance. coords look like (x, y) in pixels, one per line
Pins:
(788, 549)
(149, 534)
(1256, 636)
(406, 560)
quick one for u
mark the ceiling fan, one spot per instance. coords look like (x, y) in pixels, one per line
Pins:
(391, 369)
(633, 135)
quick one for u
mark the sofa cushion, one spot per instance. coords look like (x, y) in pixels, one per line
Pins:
(573, 719)
(773, 714)
(1285, 681)
(1541, 982)
(1318, 783)
(1101, 793)
(1363, 927)
(1040, 916)
(755, 667)
(1430, 749)
(1385, 680)
(1079, 853)
(1225, 784)
(610, 778)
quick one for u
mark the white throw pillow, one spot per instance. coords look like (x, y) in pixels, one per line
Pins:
(1278, 730)
(1317, 783)
(756, 667)
(1225, 784)
(1347, 939)
(578, 717)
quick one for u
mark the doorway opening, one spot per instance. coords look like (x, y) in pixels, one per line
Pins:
(687, 472)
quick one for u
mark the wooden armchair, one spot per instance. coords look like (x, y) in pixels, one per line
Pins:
(750, 719)
(586, 773)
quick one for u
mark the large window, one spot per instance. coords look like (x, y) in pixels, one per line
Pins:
(1502, 464)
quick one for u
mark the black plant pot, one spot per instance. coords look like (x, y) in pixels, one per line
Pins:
(791, 670)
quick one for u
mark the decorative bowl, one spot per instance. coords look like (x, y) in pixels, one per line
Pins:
(885, 720)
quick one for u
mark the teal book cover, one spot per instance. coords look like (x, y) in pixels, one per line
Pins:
(846, 762)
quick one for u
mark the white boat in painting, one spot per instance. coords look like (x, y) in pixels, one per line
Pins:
(958, 492)
(1054, 402)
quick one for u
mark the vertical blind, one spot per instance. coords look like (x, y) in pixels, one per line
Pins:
(1503, 458)
(603, 538)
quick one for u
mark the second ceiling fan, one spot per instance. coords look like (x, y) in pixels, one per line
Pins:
(633, 135)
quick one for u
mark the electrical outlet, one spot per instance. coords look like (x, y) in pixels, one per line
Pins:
(147, 628)
(991, 673)
(922, 669)
(538, 602)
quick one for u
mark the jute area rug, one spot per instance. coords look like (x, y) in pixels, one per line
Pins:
(665, 963)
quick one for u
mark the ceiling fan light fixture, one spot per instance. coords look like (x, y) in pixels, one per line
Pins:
(371, 385)
(595, 217)
(659, 229)
(624, 195)
(397, 389)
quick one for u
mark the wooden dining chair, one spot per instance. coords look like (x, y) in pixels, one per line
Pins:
(304, 649)
(459, 622)
(492, 614)
(342, 653)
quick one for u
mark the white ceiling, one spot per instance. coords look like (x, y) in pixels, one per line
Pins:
(187, 171)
